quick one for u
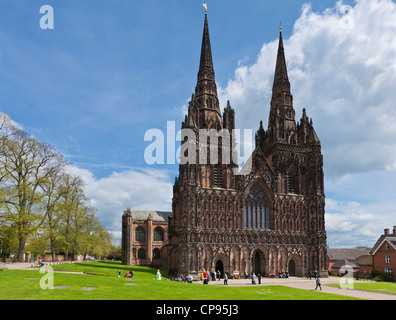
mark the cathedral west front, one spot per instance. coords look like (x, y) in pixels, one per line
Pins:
(267, 218)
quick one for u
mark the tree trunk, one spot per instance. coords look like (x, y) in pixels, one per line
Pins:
(53, 248)
(21, 250)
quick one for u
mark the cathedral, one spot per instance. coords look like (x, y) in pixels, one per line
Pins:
(267, 218)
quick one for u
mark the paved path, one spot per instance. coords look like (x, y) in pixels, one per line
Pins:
(18, 265)
(30, 266)
(306, 284)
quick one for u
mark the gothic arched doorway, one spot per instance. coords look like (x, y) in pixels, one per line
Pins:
(220, 267)
(258, 262)
(292, 268)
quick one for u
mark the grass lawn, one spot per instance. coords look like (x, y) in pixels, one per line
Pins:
(381, 287)
(25, 285)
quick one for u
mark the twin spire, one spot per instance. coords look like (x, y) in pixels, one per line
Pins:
(206, 51)
(208, 114)
(281, 79)
(206, 70)
(206, 89)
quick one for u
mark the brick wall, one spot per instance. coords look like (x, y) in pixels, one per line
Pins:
(381, 263)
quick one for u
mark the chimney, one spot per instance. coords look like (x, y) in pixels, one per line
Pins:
(386, 232)
(394, 230)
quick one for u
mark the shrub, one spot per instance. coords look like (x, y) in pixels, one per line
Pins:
(381, 276)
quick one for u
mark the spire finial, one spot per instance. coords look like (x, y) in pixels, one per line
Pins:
(280, 26)
(206, 7)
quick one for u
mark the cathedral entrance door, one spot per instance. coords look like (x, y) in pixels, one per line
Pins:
(257, 263)
(292, 268)
(220, 267)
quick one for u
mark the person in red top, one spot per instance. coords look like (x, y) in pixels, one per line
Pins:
(205, 277)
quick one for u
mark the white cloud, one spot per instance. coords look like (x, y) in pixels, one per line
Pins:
(350, 224)
(145, 189)
(360, 207)
(342, 69)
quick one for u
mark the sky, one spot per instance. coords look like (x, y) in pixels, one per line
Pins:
(109, 71)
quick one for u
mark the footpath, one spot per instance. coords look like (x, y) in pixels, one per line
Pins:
(309, 284)
(29, 266)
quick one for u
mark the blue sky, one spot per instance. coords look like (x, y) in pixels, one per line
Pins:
(111, 70)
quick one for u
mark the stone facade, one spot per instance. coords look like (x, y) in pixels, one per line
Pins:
(267, 218)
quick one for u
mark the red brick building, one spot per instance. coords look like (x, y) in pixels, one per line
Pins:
(144, 234)
(358, 259)
(384, 253)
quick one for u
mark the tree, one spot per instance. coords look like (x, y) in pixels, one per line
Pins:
(52, 193)
(70, 205)
(42, 203)
(26, 163)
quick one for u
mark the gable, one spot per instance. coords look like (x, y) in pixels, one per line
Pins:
(257, 167)
(387, 245)
(381, 244)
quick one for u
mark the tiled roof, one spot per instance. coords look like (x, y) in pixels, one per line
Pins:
(346, 254)
(343, 262)
(144, 214)
(391, 239)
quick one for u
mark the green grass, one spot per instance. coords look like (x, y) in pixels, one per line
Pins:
(381, 287)
(19, 285)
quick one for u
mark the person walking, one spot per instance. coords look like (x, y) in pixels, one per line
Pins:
(318, 284)
(259, 278)
(225, 279)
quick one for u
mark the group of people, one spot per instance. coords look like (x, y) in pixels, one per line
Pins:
(317, 280)
(315, 274)
(182, 278)
(254, 277)
(206, 276)
(127, 275)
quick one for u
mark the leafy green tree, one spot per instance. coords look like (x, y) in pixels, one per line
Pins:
(26, 163)
(52, 193)
(41, 204)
